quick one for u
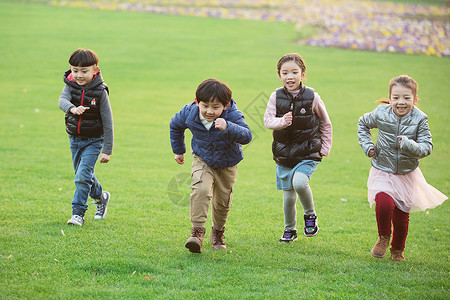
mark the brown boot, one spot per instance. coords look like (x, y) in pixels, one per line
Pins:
(379, 250)
(217, 239)
(397, 255)
(195, 241)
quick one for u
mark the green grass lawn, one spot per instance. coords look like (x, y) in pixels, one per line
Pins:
(153, 64)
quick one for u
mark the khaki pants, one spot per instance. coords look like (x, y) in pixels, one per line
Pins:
(211, 185)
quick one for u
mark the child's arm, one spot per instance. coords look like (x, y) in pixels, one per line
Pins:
(236, 131)
(424, 144)
(108, 127)
(325, 128)
(221, 124)
(270, 119)
(66, 106)
(64, 100)
(179, 158)
(177, 128)
(365, 124)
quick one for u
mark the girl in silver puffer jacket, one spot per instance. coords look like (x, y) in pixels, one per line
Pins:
(395, 183)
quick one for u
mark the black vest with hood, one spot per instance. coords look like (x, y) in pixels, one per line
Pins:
(302, 139)
(89, 124)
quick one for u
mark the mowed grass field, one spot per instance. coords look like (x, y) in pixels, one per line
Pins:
(153, 64)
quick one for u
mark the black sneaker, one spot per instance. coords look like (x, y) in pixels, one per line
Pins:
(311, 227)
(289, 236)
(101, 206)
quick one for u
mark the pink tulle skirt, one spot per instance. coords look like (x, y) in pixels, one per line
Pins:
(410, 191)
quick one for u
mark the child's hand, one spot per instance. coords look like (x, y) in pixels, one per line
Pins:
(179, 158)
(105, 158)
(78, 110)
(399, 141)
(288, 118)
(220, 124)
(371, 152)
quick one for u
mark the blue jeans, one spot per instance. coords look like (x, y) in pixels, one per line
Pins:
(85, 153)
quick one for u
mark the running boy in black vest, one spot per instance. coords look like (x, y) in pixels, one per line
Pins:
(89, 124)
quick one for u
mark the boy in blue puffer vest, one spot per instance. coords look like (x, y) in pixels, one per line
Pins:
(89, 124)
(218, 131)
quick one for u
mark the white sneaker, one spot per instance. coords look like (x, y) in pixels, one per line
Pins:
(101, 206)
(76, 220)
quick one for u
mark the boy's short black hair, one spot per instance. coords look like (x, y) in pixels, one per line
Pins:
(211, 89)
(83, 58)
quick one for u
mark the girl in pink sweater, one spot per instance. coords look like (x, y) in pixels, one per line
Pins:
(302, 135)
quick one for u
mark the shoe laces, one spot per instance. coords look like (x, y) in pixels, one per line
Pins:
(384, 239)
(99, 207)
(219, 237)
(310, 223)
(288, 234)
(197, 231)
(77, 219)
(397, 254)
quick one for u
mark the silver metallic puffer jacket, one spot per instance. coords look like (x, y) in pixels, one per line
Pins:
(389, 155)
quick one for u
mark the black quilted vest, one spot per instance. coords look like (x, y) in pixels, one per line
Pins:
(301, 140)
(89, 124)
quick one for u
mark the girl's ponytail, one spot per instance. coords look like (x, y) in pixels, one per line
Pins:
(383, 100)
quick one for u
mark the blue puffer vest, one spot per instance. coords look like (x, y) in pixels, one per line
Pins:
(301, 140)
(89, 124)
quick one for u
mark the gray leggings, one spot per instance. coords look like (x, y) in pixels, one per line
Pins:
(301, 187)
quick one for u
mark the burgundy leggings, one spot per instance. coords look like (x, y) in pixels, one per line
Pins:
(387, 213)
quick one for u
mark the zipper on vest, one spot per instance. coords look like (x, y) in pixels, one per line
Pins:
(291, 109)
(79, 120)
(397, 142)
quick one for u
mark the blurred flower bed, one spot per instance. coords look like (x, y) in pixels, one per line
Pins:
(364, 25)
